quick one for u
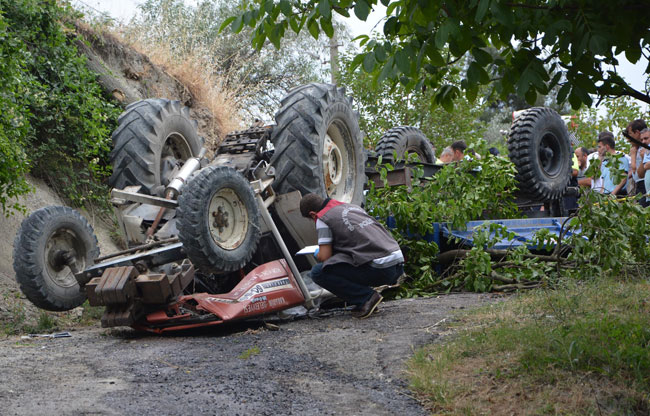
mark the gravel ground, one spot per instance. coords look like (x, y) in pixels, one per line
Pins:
(333, 364)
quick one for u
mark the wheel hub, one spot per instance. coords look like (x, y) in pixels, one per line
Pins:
(228, 219)
(549, 146)
(175, 151)
(332, 165)
(62, 248)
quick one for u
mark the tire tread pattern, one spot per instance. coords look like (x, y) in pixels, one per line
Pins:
(192, 214)
(522, 151)
(301, 123)
(28, 258)
(138, 138)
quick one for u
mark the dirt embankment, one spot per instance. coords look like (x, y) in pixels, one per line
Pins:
(129, 76)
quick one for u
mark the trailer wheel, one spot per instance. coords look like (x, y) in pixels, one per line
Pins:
(400, 141)
(152, 138)
(218, 220)
(318, 144)
(43, 241)
(539, 147)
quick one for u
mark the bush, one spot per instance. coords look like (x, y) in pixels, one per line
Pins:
(55, 118)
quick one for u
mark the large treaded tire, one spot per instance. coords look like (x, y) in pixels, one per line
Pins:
(310, 117)
(43, 277)
(540, 148)
(403, 140)
(198, 229)
(152, 137)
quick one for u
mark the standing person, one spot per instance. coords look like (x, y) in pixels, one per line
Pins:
(355, 252)
(643, 169)
(447, 155)
(582, 154)
(458, 147)
(606, 149)
(636, 159)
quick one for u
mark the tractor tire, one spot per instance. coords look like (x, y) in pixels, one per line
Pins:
(218, 220)
(540, 148)
(318, 144)
(400, 141)
(152, 138)
(41, 271)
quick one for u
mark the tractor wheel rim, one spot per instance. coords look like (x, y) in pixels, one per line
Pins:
(63, 240)
(175, 151)
(227, 219)
(417, 150)
(338, 162)
(549, 147)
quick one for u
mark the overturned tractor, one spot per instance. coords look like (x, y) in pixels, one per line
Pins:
(211, 241)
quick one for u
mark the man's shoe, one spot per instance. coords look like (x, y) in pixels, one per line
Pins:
(369, 307)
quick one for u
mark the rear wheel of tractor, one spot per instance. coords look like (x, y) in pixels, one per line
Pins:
(539, 147)
(153, 137)
(318, 144)
(401, 141)
(218, 220)
(45, 242)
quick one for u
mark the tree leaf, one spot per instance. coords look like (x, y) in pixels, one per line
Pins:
(326, 25)
(361, 10)
(563, 93)
(482, 57)
(325, 10)
(285, 7)
(483, 6)
(369, 62)
(226, 22)
(313, 28)
(403, 61)
(380, 53)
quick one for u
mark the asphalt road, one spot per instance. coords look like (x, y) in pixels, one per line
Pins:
(331, 365)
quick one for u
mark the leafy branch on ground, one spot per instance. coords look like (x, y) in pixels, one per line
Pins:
(606, 236)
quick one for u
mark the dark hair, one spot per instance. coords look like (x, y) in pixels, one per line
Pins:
(459, 145)
(636, 125)
(607, 138)
(584, 150)
(309, 203)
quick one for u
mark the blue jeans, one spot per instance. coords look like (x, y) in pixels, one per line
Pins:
(354, 284)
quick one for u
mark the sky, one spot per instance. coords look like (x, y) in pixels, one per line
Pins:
(124, 10)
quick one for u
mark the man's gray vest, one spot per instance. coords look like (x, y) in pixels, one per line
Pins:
(357, 237)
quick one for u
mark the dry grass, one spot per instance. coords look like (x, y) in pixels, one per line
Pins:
(193, 71)
(196, 74)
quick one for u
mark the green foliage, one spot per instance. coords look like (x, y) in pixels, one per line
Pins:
(383, 108)
(55, 119)
(568, 44)
(609, 237)
(588, 122)
(252, 351)
(458, 193)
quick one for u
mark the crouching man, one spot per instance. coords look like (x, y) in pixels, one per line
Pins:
(355, 252)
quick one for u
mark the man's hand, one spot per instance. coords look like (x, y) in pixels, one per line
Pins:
(323, 253)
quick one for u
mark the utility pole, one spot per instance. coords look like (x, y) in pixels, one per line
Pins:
(334, 54)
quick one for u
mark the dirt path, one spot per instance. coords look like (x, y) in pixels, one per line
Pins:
(331, 365)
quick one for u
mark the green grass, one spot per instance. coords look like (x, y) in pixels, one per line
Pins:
(255, 350)
(581, 349)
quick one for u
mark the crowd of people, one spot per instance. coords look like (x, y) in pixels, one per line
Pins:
(635, 165)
